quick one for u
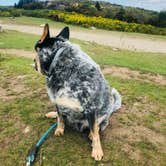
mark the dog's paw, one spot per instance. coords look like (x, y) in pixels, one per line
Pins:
(51, 115)
(59, 132)
(97, 154)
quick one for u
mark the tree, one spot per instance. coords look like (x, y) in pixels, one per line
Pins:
(33, 6)
(21, 3)
(121, 14)
(98, 7)
(162, 19)
(15, 5)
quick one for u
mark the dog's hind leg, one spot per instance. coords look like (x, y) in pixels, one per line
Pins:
(97, 152)
(60, 125)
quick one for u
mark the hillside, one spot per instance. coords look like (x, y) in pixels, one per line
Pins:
(100, 8)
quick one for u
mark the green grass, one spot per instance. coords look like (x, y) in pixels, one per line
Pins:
(23, 103)
(148, 62)
(38, 21)
(135, 88)
(29, 107)
(17, 40)
(104, 55)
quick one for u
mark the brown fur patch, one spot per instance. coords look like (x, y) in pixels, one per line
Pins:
(60, 128)
(97, 152)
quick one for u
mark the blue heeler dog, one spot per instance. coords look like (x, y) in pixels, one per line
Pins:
(76, 86)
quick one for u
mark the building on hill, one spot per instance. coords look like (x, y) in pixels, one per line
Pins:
(54, 4)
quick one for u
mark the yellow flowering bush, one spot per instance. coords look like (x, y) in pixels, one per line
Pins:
(86, 21)
(109, 24)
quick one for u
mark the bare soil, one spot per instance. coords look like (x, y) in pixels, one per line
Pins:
(18, 52)
(135, 43)
(127, 73)
(11, 89)
(132, 132)
(129, 132)
(121, 72)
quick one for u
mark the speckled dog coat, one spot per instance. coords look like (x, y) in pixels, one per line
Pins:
(77, 86)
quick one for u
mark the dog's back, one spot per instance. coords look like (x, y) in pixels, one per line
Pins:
(78, 87)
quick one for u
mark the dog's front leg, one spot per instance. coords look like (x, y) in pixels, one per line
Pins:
(60, 125)
(97, 152)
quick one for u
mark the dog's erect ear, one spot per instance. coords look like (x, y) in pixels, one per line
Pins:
(46, 33)
(64, 34)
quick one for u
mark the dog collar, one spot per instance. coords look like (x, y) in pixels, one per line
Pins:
(53, 63)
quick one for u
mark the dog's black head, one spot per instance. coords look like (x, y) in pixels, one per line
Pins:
(46, 46)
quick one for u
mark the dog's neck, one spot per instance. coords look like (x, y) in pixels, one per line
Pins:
(47, 62)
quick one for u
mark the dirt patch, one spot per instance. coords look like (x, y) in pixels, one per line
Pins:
(108, 38)
(138, 133)
(18, 52)
(132, 127)
(133, 130)
(4, 96)
(17, 126)
(143, 107)
(133, 153)
(12, 88)
(122, 72)
(126, 73)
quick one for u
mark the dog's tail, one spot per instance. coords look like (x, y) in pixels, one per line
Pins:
(116, 100)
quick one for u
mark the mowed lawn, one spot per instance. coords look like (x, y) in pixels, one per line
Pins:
(136, 134)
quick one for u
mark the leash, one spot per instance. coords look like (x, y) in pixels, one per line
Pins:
(34, 150)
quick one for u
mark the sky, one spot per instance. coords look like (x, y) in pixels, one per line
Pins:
(157, 5)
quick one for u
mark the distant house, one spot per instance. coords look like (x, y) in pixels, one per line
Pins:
(56, 4)
(61, 7)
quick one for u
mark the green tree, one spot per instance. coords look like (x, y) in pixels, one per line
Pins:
(21, 3)
(121, 14)
(98, 7)
(162, 19)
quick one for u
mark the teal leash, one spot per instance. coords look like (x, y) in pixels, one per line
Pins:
(33, 152)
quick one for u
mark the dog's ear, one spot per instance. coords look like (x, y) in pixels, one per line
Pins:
(46, 33)
(64, 34)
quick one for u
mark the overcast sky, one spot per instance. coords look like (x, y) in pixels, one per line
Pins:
(147, 4)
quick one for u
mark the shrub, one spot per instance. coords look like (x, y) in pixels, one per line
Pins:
(86, 21)
(109, 24)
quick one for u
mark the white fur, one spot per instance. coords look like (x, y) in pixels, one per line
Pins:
(51, 95)
(62, 99)
(81, 54)
(67, 102)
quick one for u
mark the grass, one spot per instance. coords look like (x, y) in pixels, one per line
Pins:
(28, 108)
(23, 103)
(139, 89)
(38, 21)
(104, 55)
(17, 40)
(148, 62)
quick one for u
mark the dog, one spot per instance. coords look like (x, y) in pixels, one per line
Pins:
(77, 87)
